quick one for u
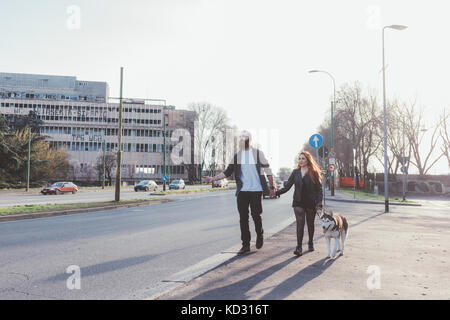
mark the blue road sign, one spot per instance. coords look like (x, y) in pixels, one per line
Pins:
(316, 141)
(163, 178)
(332, 154)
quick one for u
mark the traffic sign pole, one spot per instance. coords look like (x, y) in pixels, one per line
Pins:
(316, 141)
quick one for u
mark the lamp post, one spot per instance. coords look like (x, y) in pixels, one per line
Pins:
(333, 106)
(386, 186)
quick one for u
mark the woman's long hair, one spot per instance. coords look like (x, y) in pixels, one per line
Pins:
(314, 170)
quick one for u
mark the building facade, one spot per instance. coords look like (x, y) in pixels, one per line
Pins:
(49, 87)
(88, 130)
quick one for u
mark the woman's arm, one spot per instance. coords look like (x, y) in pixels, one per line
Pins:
(318, 194)
(288, 184)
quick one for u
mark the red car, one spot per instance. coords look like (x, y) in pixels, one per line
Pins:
(60, 187)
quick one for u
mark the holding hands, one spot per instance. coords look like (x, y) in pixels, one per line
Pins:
(272, 194)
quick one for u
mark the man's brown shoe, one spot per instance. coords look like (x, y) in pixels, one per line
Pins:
(259, 241)
(244, 250)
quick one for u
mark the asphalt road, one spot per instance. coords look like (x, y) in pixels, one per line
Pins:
(129, 253)
(13, 198)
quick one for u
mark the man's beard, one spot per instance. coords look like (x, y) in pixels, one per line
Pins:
(245, 144)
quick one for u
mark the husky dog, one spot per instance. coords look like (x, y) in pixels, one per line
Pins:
(334, 226)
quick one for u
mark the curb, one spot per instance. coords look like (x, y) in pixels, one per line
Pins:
(376, 202)
(74, 211)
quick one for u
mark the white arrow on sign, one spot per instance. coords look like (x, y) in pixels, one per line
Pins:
(316, 141)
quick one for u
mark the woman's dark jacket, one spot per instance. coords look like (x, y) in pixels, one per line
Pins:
(307, 194)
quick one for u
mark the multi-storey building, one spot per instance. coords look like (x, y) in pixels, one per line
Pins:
(49, 87)
(87, 129)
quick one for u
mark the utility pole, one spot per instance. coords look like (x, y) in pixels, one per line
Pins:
(164, 151)
(119, 152)
(104, 164)
(28, 160)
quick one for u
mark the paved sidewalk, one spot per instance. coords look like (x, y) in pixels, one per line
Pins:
(343, 197)
(399, 255)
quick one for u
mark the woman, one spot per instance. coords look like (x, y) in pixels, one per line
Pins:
(307, 196)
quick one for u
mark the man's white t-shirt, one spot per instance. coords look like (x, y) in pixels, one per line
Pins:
(249, 174)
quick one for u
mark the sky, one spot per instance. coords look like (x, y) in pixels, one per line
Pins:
(250, 57)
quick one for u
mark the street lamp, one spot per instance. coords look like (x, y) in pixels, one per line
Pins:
(386, 186)
(332, 123)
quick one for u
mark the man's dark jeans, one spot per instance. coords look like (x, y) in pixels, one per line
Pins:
(246, 199)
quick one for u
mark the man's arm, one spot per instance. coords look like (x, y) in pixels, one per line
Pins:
(271, 187)
(219, 176)
(229, 170)
(265, 168)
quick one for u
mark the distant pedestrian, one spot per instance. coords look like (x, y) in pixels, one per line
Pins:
(307, 196)
(249, 166)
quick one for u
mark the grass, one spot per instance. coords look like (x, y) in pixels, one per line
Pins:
(34, 208)
(191, 190)
(365, 195)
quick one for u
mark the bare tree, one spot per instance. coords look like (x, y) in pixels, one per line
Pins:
(415, 132)
(284, 173)
(110, 164)
(210, 124)
(398, 146)
(444, 132)
(356, 125)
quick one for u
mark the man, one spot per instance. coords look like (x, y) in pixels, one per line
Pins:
(249, 166)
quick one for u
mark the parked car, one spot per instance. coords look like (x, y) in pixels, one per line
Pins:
(146, 185)
(177, 184)
(223, 183)
(59, 188)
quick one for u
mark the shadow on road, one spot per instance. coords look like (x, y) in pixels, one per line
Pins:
(298, 280)
(236, 291)
(105, 267)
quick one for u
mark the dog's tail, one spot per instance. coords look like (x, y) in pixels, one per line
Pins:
(345, 225)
